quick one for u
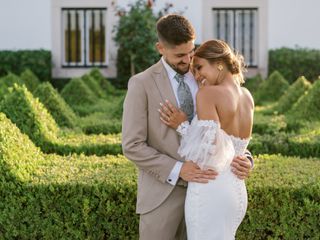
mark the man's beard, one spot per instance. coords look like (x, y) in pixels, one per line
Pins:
(175, 67)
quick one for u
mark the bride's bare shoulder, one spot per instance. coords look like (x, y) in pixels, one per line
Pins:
(207, 92)
(247, 95)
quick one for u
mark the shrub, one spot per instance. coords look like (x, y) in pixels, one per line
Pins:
(54, 197)
(270, 124)
(284, 199)
(38, 61)
(272, 88)
(308, 105)
(293, 63)
(76, 92)
(8, 81)
(59, 109)
(252, 84)
(29, 115)
(30, 79)
(294, 92)
(93, 85)
(99, 123)
(102, 81)
(33, 119)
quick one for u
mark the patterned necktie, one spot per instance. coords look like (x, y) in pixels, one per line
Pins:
(185, 96)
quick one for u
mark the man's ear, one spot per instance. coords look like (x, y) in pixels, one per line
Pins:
(160, 47)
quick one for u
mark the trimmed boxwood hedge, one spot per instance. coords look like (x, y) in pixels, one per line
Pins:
(79, 197)
(293, 63)
(8, 81)
(100, 123)
(292, 95)
(268, 124)
(93, 85)
(253, 83)
(308, 105)
(55, 197)
(56, 105)
(284, 199)
(271, 89)
(102, 81)
(30, 79)
(38, 61)
(33, 119)
(76, 93)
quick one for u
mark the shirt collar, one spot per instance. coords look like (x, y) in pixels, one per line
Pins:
(172, 73)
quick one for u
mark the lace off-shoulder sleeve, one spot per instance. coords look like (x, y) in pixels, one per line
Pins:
(206, 144)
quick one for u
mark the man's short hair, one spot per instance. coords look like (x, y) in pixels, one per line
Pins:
(175, 29)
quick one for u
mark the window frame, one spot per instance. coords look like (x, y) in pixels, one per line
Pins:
(85, 36)
(253, 59)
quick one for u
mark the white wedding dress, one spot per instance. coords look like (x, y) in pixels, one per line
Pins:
(213, 211)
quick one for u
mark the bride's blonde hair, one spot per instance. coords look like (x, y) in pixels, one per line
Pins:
(218, 50)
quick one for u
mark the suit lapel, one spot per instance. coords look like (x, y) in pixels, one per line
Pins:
(163, 84)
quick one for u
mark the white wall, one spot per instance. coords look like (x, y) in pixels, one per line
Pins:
(25, 24)
(294, 22)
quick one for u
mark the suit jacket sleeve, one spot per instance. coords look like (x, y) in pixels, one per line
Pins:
(135, 133)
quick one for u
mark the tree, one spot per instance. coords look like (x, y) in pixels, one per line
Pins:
(136, 37)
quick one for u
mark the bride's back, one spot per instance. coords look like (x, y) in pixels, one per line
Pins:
(231, 105)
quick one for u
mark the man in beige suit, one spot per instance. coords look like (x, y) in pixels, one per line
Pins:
(152, 146)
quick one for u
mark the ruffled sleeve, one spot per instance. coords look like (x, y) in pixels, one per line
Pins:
(206, 144)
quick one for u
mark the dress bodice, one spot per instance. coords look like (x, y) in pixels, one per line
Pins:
(240, 144)
(207, 144)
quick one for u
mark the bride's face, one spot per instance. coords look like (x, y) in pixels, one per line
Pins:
(204, 71)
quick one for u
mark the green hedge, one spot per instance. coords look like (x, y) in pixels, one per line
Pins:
(38, 61)
(55, 104)
(308, 105)
(284, 199)
(93, 85)
(108, 88)
(100, 123)
(7, 82)
(252, 84)
(271, 89)
(34, 120)
(54, 197)
(76, 93)
(268, 124)
(293, 63)
(79, 197)
(30, 79)
(292, 95)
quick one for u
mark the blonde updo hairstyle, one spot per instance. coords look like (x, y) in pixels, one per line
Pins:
(218, 50)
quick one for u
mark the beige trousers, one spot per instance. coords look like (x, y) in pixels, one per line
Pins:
(166, 222)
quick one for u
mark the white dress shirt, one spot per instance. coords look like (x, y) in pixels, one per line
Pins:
(189, 79)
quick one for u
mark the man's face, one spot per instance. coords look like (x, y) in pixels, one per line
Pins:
(178, 57)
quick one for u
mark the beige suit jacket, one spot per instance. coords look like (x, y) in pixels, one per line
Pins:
(146, 141)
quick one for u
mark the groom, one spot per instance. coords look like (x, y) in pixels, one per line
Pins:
(152, 146)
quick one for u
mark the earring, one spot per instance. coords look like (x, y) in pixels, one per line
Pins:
(220, 67)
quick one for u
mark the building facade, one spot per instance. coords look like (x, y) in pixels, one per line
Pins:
(79, 33)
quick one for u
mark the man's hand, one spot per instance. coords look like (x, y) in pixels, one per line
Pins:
(241, 167)
(191, 172)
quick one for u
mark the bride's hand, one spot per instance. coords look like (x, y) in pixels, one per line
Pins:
(170, 115)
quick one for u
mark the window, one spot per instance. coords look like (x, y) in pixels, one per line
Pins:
(238, 27)
(84, 37)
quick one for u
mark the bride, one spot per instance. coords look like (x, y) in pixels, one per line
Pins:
(220, 130)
